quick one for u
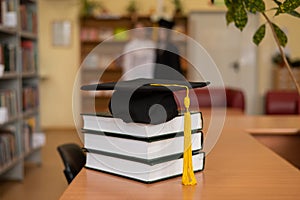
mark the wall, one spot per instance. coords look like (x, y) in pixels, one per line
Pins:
(268, 47)
(145, 7)
(59, 65)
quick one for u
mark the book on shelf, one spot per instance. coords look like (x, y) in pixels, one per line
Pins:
(105, 33)
(8, 100)
(3, 10)
(23, 16)
(8, 56)
(1, 54)
(95, 34)
(28, 56)
(30, 95)
(38, 139)
(27, 137)
(91, 61)
(18, 38)
(31, 123)
(31, 139)
(89, 34)
(28, 130)
(28, 17)
(8, 148)
(100, 122)
(8, 14)
(144, 170)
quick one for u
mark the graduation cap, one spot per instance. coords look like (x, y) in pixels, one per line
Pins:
(149, 101)
(133, 100)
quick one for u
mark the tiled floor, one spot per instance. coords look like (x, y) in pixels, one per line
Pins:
(45, 182)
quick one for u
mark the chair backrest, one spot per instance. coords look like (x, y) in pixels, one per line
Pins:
(73, 158)
(216, 97)
(282, 102)
(235, 98)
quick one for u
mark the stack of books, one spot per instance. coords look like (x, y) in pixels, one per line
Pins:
(143, 152)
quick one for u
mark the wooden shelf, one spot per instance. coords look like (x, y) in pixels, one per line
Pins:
(29, 75)
(32, 150)
(31, 1)
(91, 28)
(282, 79)
(30, 112)
(96, 42)
(100, 96)
(28, 35)
(9, 75)
(10, 164)
(18, 159)
(99, 69)
(9, 121)
(7, 30)
(127, 18)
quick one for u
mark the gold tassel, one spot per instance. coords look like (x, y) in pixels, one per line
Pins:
(188, 176)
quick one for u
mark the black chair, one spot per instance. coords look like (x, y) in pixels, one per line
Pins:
(73, 158)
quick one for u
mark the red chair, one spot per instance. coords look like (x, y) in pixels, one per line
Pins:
(216, 97)
(280, 102)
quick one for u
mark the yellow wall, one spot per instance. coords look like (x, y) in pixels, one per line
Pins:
(268, 48)
(59, 64)
(145, 7)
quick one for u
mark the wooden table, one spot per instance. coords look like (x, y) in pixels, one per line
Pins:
(238, 167)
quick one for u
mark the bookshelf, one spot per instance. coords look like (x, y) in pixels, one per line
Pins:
(93, 31)
(282, 79)
(19, 88)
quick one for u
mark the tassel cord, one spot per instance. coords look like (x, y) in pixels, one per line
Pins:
(188, 176)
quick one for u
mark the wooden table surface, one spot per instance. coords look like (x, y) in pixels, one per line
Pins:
(238, 167)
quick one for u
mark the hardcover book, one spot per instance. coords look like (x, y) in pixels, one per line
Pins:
(116, 125)
(147, 171)
(146, 138)
(144, 148)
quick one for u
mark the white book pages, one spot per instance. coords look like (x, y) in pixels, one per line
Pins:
(138, 148)
(141, 171)
(116, 125)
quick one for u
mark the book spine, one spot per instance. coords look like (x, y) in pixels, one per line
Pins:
(1, 54)
(29, 127)
(28, 56)
(28, 15)
(8, 148)
(8, 100)
(30, 97)
(9, 57)
(3, 10)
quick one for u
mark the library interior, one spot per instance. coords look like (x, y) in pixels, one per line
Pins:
(165, 99)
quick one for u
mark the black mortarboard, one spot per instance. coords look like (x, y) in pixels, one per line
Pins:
(166, 23)
(139, 101)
